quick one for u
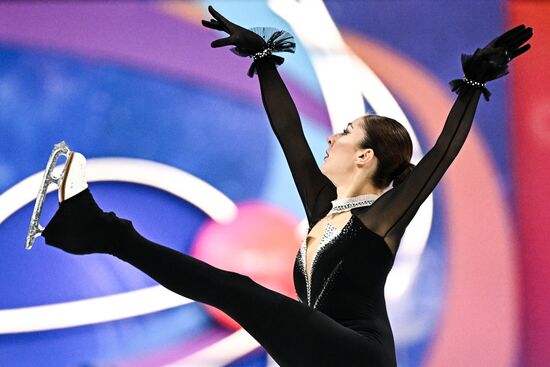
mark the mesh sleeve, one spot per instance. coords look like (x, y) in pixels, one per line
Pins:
(315, 189)
(393, 211)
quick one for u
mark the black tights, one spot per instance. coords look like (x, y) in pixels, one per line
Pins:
(291, 332)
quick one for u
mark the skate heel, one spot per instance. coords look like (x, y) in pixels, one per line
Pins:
(71, 181)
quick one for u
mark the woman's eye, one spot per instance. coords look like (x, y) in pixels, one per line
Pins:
(345, 132)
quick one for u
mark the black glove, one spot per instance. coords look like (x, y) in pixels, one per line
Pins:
(491, 62)
(249, 43)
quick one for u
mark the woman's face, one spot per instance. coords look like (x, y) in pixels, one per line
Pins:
(343, 151)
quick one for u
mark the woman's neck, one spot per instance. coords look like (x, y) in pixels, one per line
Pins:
(352, 191)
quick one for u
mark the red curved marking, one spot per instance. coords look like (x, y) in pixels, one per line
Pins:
(479, 320)
(530, 135)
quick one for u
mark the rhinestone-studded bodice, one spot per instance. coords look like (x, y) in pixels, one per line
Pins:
(347, 276)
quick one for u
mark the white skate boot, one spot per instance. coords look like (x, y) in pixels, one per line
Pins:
(70, 182)
(73, 177)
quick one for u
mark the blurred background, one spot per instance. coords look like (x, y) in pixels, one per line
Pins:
(177, 140)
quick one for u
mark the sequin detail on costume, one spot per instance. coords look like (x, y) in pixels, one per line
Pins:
(328, 281)
(344, 204)
(301, 260)
(330, 233)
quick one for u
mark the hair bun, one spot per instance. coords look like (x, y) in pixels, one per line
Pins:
(403, 174)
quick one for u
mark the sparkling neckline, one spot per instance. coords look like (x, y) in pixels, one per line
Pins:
(344, 204)
(302, 256)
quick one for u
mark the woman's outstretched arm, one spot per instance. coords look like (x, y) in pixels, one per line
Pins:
(393, 211)
(315, 189)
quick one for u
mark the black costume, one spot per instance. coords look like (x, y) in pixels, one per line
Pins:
(343, 321)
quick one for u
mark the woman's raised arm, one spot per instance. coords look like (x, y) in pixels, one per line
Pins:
(393, 211)
(315, 189)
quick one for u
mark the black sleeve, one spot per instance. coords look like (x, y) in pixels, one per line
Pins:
(315, 189)
(393, 211)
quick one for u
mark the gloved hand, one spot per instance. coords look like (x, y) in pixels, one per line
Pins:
(250, 42)
(246, 41)
(491, 62)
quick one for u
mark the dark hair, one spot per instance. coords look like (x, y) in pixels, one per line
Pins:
(392, 146)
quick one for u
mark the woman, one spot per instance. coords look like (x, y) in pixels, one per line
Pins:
(356, 223)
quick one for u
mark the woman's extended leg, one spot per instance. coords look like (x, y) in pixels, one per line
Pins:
(291, 332)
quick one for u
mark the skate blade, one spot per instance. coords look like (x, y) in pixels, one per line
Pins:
(35, 229)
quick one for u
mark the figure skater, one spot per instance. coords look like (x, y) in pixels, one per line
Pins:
(356, 220)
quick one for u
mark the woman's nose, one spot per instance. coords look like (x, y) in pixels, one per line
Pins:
(330, 139)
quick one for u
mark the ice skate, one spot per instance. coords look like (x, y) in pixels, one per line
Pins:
(70, 182)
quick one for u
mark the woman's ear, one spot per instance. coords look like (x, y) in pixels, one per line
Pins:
(364, 156)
